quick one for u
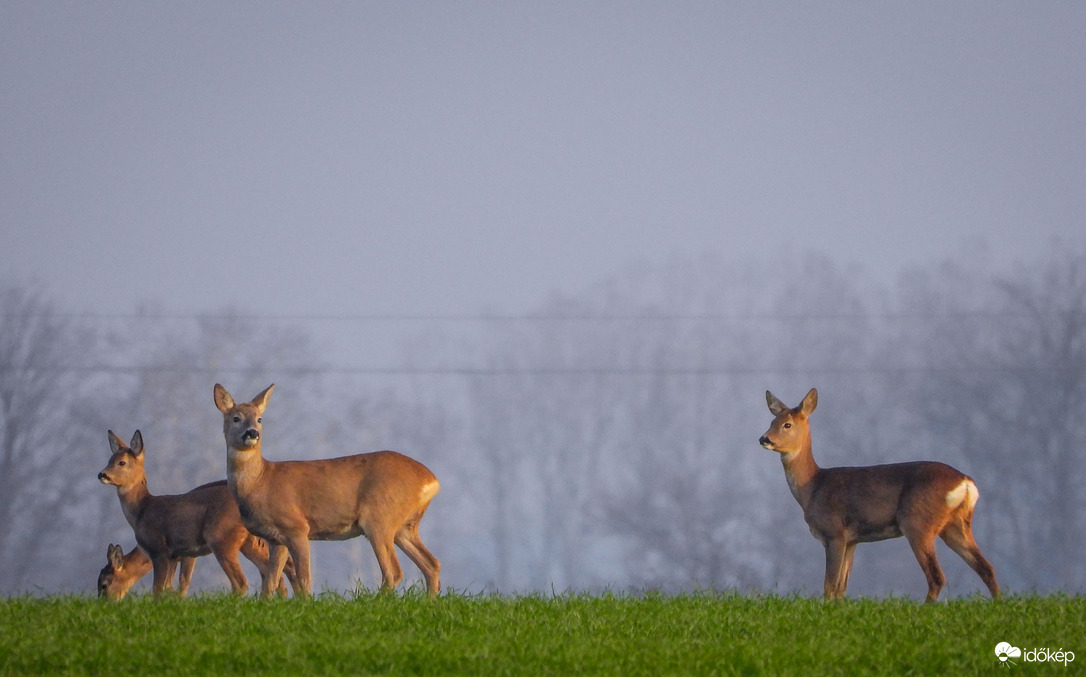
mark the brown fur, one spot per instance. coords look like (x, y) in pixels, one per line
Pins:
(381, 495)
(846, 506)
(179, 528)
(122, 571)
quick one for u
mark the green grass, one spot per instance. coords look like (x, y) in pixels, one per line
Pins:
(531, 635)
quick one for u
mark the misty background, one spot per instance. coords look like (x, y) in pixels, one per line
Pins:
(557, 253)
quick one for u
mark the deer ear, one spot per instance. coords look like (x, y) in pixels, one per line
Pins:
(222, 399)
(261, 400)
(809, 403)
(775, 405)
(137, 444)
(116, 557)
(115, 443)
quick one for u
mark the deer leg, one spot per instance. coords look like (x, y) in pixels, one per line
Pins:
(163, 574)
(185, 576)
(383, 548)
(299, 552)
(924, 548)
(228, 560)
(292, 576)
(277, 557)
(836, 568)
(959, 537)
(256, 551)
(850, 552)
(409, 541)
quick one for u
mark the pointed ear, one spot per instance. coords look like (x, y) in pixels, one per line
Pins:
(775, 405)
(222, 399)
(809, 403)
(261, 400)
(116, 557)
(137, 444)
(115, 443)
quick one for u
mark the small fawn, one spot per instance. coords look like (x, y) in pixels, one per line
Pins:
(122, 571)
(179, 528)
(381, 495)
(847, 506)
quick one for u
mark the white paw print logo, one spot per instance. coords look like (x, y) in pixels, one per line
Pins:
(1005, 652)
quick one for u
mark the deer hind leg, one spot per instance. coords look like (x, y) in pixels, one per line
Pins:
(958, 535)
(383, 548)
(408, 540)
(185, 576)
(923, 546)
(227, 556)
(838, 566)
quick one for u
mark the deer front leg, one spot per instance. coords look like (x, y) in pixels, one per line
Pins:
(838, 565)
(185, 577)
(163, 574)
(277, 557)
(299, 554)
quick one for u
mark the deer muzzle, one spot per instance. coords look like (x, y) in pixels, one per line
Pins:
(765, 442)
(250, 436)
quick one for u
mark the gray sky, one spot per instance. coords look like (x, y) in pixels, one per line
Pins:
(419, 158)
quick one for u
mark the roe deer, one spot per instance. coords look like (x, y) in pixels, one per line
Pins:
(179, 528)
(847, 506)
(122, 571)
(381, 495)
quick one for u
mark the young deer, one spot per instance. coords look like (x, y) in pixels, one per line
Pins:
(847, 506)
(122, 571)
(179, 528)
(381, 495)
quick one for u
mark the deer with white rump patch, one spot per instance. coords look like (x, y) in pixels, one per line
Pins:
(381, 495)
(851, 505)
(179, 528)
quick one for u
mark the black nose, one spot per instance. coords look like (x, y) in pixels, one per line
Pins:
(251, 434)
(763, 440)
(102, 476)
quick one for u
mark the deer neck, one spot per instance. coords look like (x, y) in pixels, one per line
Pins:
(134, 499)
(800, 470)
(244, 468)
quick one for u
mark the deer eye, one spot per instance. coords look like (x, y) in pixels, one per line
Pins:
(259, 420)
(122, 462)
(237, 419)
(787, 425)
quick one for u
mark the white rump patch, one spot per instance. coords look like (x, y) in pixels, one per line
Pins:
(966, 493)
(429, 491)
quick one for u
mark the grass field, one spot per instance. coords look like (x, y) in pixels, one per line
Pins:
(533, 635)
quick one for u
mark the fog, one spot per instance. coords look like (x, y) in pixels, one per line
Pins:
(558, 254)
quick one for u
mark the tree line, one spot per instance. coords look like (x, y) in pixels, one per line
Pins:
(608, 439)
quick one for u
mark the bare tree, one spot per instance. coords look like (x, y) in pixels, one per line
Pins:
(41, 439)
(1004, 388)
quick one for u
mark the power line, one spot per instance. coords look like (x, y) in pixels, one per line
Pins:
(544, 317)
(517, 371)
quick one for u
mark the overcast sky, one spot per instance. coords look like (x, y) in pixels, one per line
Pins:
(454, 157)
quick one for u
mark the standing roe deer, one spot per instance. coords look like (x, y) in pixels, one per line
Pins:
(179, 528)
(381, 495)
(847, 506)
(122, 571)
